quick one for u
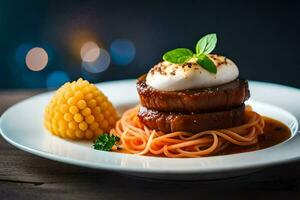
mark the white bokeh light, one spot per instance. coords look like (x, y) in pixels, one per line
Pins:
(89, 52)
(36, 59)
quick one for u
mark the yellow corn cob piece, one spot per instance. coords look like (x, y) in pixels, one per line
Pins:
(79, 110)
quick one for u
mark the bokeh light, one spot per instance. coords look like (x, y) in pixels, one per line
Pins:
(36, 59)
(56, 79)
(122, 51)
(78, 38)
(98, 65)
(89, 52)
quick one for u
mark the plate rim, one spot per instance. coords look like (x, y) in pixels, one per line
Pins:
(120, 168)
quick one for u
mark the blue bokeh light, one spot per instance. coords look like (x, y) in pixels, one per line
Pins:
(122, 51)
(99, 65)
(57, 79)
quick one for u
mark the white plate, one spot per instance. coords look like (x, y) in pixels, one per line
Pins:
(22, 126)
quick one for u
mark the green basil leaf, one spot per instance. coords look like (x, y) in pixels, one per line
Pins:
(205, 62)
(178, 56)
(206, 44)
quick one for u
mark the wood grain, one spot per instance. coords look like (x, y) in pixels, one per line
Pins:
(25, 176)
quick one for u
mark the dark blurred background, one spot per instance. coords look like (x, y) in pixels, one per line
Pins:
(45, 43)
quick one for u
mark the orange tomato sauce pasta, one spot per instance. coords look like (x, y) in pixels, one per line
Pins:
(136, 138)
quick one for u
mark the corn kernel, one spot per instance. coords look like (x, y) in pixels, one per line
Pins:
(72, 101)
(57, 115)
(78, 117)
(83, 126)
(94, 126)
(63, 108)
(90, 119)
(81, 104)
(53, 121)
(107, 114)
(79, 95)
(68, 95)
(73, 110)
(62, 132)
(73, 125)
(96, 110)
(86, 112)
(99, 99)
(92, 103)
(86, 90)
(62, 124)
(68, 117)
(104, 105)
(88, 96)
(99, 117)
(61, 101)
(75, 88)
(95, 93)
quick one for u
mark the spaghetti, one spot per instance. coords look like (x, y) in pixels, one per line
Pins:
(137, 139)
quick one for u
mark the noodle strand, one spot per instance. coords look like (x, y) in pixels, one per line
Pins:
(138, 139)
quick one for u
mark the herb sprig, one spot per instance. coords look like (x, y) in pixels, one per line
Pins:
(105, 142)
(203, 47)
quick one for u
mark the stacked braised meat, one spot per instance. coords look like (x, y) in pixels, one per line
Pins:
(193, 110)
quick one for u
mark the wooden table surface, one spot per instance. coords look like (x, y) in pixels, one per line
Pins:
(25, 176)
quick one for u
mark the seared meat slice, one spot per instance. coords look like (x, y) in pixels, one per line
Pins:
(218, 98)
(193, 122)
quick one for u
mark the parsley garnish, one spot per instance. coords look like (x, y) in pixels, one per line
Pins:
(105, 142)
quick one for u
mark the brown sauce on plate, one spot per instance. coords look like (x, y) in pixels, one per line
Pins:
(275, 132)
